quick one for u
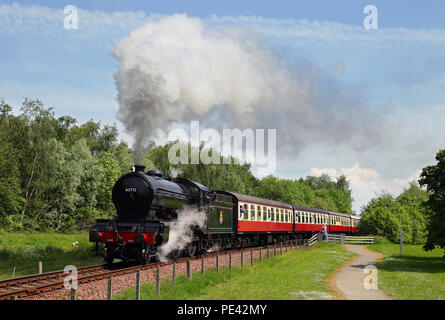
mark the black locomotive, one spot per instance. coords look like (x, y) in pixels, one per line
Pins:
(147, 205)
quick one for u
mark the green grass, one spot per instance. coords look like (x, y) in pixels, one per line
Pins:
(295, 275)
(23, 250)
(417, 275)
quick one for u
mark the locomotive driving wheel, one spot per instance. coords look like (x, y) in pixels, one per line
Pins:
(143, 256)
(176, 254)
(191, 249)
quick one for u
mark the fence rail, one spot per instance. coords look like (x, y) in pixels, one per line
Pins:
(343, 239)
(313, 240)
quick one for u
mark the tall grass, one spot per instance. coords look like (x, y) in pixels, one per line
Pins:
(295, 275)
(21, 251)
(417, 275)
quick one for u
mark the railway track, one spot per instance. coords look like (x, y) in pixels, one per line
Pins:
(36, 284)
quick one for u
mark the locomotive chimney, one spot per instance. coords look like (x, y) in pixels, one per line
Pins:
(137, 167)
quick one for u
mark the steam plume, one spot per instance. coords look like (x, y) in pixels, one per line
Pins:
(181, 232)
(178, 69)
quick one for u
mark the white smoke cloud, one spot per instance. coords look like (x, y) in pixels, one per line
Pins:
(181, 231)
(366, 183)
(178, 69)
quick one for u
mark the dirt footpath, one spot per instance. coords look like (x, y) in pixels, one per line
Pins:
(356, 281)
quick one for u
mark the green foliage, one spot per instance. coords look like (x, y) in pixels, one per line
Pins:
(433, 177)
(386, 215)
(54, 173)
(109, 171)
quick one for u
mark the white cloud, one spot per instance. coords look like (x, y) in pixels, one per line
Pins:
(366, 183)
(36, 19)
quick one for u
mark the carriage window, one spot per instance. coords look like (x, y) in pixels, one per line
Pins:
(272, 214)
(281, 215)
(252, 212)
(264, 214)
(246, 212)
(241, 211)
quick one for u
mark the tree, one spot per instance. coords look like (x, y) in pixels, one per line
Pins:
(109, 171)
(380, 217)
(413, 200)
(433, 177)
(11, 199)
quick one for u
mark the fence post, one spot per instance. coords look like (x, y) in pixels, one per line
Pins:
(242, 258)
(217, 263)
(110, 288)
(342, 239)
(158, 285)
(281, 248)
(267, 252)
(401, 242)
(174, 273)
(251, 257)
(230, 260)
(189, 270)
(138, 284)
(39, 267)
(73, 294)
(261, 253)
(202, 266)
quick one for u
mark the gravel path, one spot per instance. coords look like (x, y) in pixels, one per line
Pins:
(358, 280)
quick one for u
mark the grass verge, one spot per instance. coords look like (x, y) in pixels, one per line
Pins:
(296, 275)
(22, 251)
(417, 275)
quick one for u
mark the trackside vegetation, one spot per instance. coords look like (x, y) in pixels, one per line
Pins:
(21, 251)
(296, 275)
(417, 275)
(385, 215)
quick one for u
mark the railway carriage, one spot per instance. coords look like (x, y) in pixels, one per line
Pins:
(309, 220)
(339, 222)
(355, 224)
(260, 220)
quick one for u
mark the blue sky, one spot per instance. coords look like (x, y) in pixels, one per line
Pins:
(397, 71)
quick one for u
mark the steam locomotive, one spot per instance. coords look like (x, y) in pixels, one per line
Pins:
(148, 206)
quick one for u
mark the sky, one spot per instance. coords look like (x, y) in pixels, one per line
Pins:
(389, 80)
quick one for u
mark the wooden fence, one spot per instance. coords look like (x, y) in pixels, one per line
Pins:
(313, 240)
(343, 239)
